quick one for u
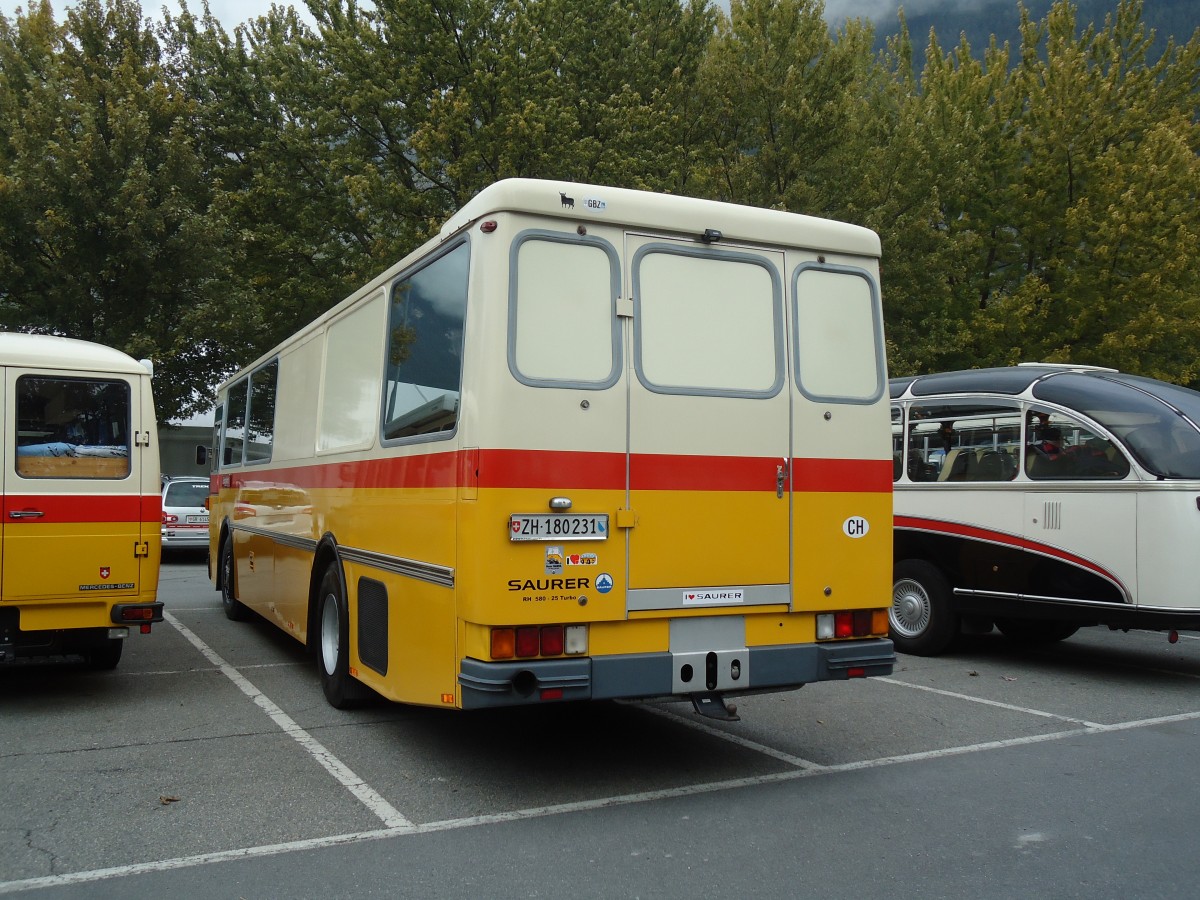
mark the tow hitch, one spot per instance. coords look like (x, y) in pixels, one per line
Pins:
(713, 706)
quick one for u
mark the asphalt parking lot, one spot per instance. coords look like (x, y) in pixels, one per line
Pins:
(209, 765)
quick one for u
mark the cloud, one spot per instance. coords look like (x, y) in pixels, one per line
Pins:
(837, 11)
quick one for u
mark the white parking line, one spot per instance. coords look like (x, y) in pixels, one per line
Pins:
(185, 862)
(334, 766)
(700, 725)
(983, 700)
(194, 669)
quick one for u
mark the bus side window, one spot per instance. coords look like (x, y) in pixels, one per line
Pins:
(425, 348)
(1060, 446)
(235, 424)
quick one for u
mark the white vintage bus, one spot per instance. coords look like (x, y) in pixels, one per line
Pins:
(81, 499)
(1041, 498)
(586, 443)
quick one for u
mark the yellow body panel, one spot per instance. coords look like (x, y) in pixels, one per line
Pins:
(708, 538)
(55, 561)
(856, 571)
(422, 639)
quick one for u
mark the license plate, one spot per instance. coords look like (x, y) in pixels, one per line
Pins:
(542, 527)
(197, 520)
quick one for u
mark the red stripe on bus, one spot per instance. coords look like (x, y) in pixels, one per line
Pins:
(852, 476)
(958, 529)
(89, 508)
(579, 470)
(551, 469)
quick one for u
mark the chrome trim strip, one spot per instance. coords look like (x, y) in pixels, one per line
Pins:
(641, 599)
(1066, 601)
(288, 540)
(409, 568)
(1071, 601)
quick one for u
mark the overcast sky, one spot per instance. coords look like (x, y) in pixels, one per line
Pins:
(233, 12)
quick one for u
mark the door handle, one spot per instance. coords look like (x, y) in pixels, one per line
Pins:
(781, 474)
(25, 513)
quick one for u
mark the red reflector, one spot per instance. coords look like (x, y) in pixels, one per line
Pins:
(527, 641)
(551, 694)
(145, 629)
(552, 640)
(843, 625)
(488, 227)
(862, 622)
(856, 672)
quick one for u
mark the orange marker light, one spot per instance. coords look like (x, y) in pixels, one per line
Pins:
(504, 643)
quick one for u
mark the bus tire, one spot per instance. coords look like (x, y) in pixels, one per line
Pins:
(1031, 632)
(106, 655)
(921, 619)
(234, 609)
(333, 644)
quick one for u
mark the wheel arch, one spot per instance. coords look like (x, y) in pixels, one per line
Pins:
(326, 556)
(223, 538)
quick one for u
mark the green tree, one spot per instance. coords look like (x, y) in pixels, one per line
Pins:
(783, 95)
(106, 229)
(1098, 210)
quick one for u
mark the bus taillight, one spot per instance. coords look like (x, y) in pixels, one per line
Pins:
(552, 640)
(504, 643)
(851, 623)
(576, 640)
(529, 641)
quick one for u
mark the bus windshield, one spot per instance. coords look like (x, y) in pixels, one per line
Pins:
(1144, 414)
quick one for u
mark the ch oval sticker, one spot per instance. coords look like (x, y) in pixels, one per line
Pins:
(856, 527)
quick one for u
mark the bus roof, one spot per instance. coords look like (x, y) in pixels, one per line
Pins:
(645, 209)
(1011, 380)
(48, 351)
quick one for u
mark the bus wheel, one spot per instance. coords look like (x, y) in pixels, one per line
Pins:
(234, 609)
(333, 644)
(107, 654)
(1033, 631)
(921, 620)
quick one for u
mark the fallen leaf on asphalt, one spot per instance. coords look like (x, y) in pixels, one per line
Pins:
(973, 673)
(1009, 677)
(167, 801)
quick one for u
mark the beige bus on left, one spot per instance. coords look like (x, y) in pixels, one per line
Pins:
(79, 527)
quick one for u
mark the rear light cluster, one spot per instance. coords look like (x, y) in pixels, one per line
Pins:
(528, 641)
(137, 613)
(168, 519)
(851, 623)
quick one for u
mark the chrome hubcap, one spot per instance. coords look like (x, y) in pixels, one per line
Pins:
(911, 608)
(329, 634)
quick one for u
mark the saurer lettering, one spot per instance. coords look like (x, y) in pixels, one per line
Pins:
(549, 584)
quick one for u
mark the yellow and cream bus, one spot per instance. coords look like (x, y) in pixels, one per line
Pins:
(586, 443)
(1041, 498)
(81, 494)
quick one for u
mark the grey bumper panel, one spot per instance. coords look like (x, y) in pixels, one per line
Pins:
(644, 675)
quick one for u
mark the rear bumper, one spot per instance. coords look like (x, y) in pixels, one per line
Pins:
(173, 538)
(646, 675)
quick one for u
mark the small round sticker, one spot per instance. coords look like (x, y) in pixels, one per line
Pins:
(604, 583)
(856, 527)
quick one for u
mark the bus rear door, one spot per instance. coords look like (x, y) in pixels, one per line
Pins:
(72, 506)
(708, 436)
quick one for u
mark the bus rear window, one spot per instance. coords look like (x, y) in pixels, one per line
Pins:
(838, 346)
(707, 324)
(72, 428)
